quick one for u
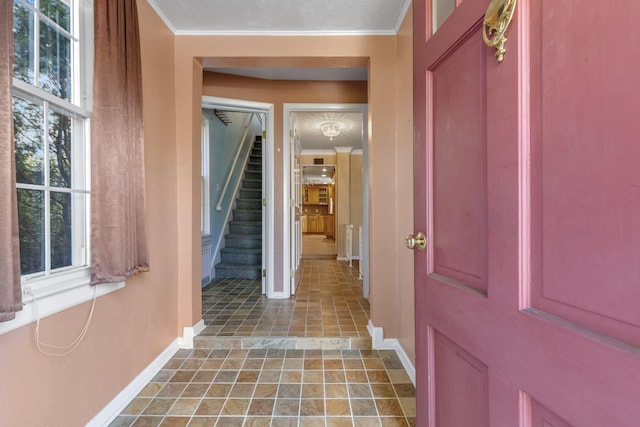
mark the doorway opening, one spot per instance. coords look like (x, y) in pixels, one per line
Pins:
(225, 189)
(318, 210)
(338, 208)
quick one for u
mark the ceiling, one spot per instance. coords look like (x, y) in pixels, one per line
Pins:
(282, 17)
(297, 73)
(318, 174)
(292, 18)
(311, 137)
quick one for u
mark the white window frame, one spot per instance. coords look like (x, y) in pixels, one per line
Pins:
(48, 293)
(205, 181)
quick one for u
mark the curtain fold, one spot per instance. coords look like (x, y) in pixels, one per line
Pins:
(10, 288)
(118, 217)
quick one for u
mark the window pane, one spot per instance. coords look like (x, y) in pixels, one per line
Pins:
(28, 130)
(31, 228)
(442, 9)
(57, 11)
(61, 255)
(24, 52)
(59, 150)
(55, 62)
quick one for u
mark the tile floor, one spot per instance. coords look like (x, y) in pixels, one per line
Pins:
(328, 303)
(317, 246)
(280, 387)
(273, 387)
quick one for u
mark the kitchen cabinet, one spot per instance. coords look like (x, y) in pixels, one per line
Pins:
(313, 224)
(329, 226)
(315, 194)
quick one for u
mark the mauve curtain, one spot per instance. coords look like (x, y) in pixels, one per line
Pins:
(118, 236)
(10, 290)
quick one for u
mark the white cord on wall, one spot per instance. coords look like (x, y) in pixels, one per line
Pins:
(46, 349)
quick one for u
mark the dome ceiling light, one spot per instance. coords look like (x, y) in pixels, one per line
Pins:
(331, 129)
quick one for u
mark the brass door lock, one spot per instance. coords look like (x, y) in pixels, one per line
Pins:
(418, 241)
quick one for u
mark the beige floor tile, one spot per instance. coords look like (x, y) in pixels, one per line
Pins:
(280, 387)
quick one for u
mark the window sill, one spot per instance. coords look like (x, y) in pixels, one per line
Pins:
(66, 291)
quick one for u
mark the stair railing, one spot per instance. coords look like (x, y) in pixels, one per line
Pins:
(235, 163)
(349, 243)
(360, 253)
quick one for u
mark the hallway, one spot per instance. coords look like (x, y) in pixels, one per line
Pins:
(226, 387)
(328, 303)
(317, 246)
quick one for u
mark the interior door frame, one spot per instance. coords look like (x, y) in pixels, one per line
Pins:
(295, 230)
(267, 187)
(289, 108)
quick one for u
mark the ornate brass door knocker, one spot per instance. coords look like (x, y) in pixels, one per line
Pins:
(496, 21)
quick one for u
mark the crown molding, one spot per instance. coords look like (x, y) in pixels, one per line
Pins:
(347, 150)
(317, 153)
(405, 9)
(283, 33)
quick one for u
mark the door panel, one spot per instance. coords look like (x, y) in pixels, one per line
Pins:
(459, 233)
(542, 417)
(461, 383)
(585, 174)
(527, 184)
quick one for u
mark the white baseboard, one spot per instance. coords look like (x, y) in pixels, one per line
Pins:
(378, 342)
(188, 333)
(122, 399)
(344, 258)
(278, 295)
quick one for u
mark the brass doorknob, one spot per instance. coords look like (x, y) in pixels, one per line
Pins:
(418, 241)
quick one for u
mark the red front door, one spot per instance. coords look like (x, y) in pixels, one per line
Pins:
(527, 185)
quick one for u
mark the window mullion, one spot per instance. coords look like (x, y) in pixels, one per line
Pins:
(78, 200)
(47, 193)
(36, 43)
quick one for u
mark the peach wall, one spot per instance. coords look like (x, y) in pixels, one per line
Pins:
(131, 326)
(355, 198)
(343, 200)
(307, 159)
(390, 145)
(404, 184)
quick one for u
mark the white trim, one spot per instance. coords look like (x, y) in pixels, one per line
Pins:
(344, 258)
(378, 342)
(122, 399)
(20, 87)
(279, 295)
(267, 147)
(317, 152)
(405, 9)
(189, 332)
(347, 150)
(205, 173)
(357, 152)
(232, 33)
(50, 300)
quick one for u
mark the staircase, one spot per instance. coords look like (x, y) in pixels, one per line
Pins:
(241, 258)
